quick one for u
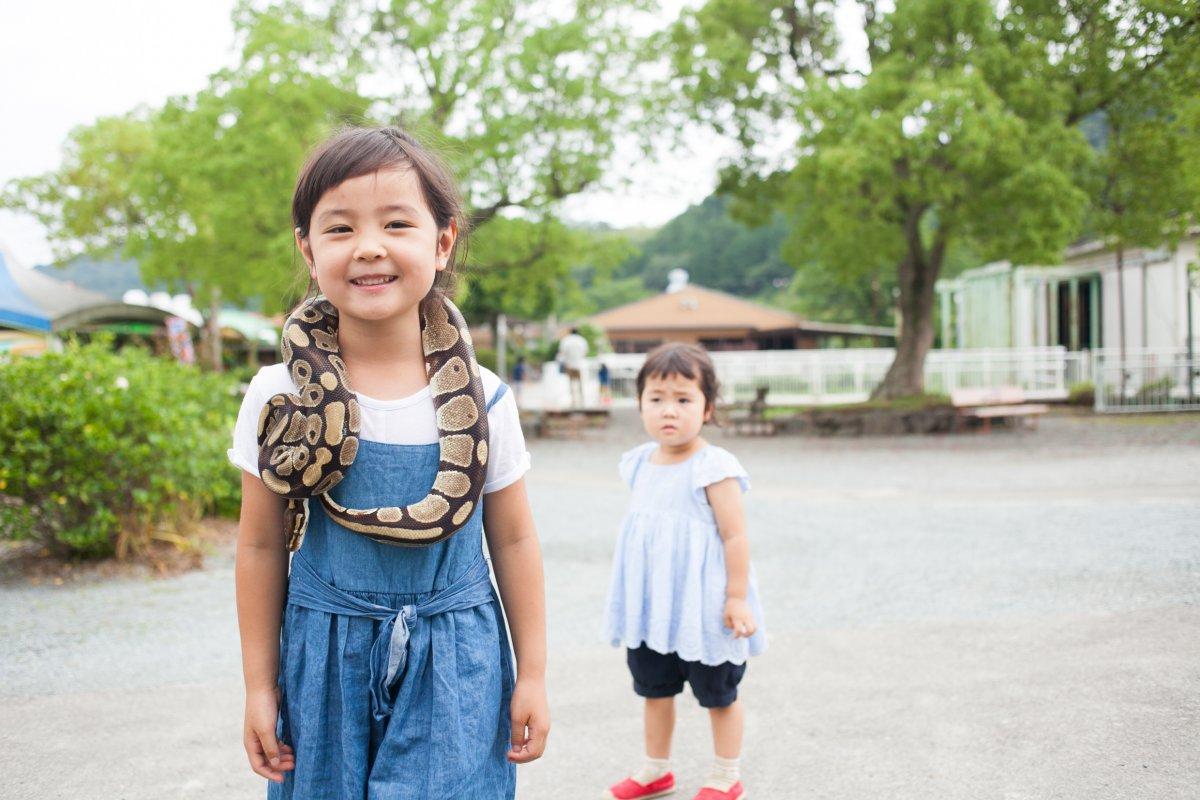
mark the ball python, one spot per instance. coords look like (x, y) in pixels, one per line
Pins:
(308, 440)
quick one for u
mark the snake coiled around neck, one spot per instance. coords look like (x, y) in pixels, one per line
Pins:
(308, 440)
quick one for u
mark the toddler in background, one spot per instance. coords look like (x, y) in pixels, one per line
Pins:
(683, 599)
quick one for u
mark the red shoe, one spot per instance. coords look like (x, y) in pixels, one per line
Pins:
(629, 789)
(736, 792)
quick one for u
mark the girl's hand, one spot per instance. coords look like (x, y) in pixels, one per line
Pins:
(530, 714)
(268, 757)
(739, 618)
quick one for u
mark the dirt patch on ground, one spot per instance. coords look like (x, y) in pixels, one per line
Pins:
(34, 564)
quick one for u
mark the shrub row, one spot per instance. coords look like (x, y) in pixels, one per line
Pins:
(99, 447)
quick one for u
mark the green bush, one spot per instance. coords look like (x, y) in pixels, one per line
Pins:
(1081, 394)
(1158, 391)
(97, 445)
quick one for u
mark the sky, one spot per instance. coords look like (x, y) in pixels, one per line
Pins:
(65, 63)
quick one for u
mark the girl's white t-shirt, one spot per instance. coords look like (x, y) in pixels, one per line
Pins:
(408, 420)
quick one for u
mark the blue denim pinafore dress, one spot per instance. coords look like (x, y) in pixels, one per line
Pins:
(442, 730)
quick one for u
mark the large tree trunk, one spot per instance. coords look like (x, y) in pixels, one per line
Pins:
(917, 274)
(906, 376)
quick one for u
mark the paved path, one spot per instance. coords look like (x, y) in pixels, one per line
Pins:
(1004, 616)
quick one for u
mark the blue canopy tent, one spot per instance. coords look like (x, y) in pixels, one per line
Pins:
(16, 309)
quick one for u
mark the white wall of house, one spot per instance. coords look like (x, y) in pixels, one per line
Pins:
(1024, 310)
(1003, 306)
(1034, 307)
(1155, 284)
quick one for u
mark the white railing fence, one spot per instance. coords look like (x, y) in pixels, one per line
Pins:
(1078, 367)
(816, 377)
(1150, 380)
(1146, 380)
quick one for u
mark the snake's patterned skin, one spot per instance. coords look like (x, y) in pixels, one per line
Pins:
(308, 440)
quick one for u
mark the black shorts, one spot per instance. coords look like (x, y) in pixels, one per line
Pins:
(663, 675)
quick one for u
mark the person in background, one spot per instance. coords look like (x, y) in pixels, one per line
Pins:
(518, 376)
(604, 378)
(683, 599)
(572, 354)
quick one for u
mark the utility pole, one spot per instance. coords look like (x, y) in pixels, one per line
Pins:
(1192, 284)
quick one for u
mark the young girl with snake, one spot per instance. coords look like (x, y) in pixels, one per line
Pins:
(377, 663)
(682, 598)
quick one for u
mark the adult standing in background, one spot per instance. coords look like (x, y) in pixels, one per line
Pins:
(518, 375)
(572, 353)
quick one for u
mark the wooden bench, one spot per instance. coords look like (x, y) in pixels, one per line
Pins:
(751, 419)
(1002, 402)
(569, 422)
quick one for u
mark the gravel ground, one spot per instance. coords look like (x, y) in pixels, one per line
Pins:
(1007, 616)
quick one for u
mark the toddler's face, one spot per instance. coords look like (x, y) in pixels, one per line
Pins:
(673, 409)
(373, 246)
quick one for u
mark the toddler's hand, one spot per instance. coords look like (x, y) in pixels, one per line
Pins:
(738, 618)
(530, 714)
(268, 757)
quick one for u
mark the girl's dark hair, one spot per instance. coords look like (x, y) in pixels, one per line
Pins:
(357, 151)
(686, 360)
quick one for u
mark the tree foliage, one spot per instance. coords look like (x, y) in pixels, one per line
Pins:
(198, 190)
(88, 205)
(528, 101)
(211, 225)
(525, 99)
(535, 276)
(1143, 184)
(529, 96)
(963, 129)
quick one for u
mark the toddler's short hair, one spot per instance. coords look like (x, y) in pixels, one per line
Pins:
(686, 360)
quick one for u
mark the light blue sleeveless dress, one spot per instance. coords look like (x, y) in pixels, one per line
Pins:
(667, 589)
(444, 733)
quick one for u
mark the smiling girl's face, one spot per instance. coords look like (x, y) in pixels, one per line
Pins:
(373, 246)
(673, 410)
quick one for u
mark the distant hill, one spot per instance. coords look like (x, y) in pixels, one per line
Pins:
(112, 277)
(722, 253)
(716, 250)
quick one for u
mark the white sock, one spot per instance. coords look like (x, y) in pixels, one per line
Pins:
(725, 773)
(652, 770)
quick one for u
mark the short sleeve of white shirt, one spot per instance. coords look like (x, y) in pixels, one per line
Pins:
(409, 420)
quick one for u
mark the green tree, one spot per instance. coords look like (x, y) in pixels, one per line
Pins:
(528, 99)
(88, 204)
(1145, 193)
(597, 282)
(1146, 197)
(528, 102)
(198, 190)
(538, 274)
(962, 128)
